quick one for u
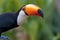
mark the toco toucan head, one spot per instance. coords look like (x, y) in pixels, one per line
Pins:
(32, 10)
(28, 10)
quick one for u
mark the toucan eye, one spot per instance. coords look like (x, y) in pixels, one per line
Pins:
(40, 12)
(24, 10)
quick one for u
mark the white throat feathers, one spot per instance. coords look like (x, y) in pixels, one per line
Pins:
(21, 17)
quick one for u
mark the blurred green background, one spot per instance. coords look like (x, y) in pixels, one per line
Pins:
(35, 27)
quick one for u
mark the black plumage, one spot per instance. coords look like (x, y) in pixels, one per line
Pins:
(8, 21)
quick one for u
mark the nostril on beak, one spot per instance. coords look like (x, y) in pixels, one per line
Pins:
(40, 12)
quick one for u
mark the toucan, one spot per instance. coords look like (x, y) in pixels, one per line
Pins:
(11, 20)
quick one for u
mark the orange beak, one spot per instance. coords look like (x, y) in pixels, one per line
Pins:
(32, 9)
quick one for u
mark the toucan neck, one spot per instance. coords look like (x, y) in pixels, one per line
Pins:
(21, 17)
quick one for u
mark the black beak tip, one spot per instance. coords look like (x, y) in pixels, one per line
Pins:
(42, 16)
(41, 13)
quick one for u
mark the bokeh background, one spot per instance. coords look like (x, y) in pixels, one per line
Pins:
(34, 28)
